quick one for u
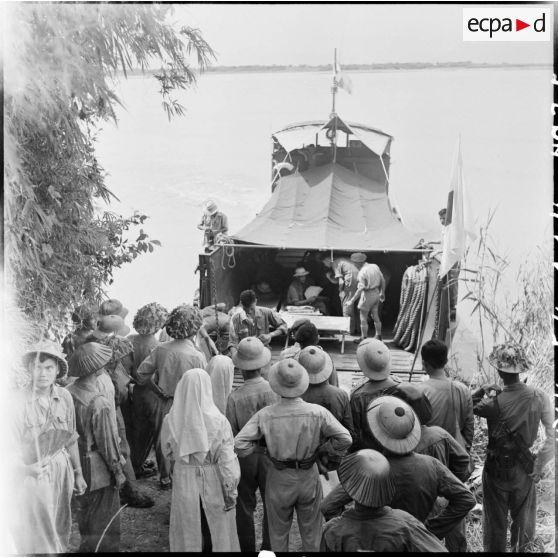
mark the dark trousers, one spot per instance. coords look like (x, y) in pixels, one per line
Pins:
(139, 425)
(148, 412)
(456, 539)
(207, 545)
(253, 469)
(96, 509)
(516, 495)
(127, 468)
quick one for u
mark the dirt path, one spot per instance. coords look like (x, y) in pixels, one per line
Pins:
(147, 529)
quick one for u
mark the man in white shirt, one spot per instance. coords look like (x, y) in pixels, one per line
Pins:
(371, 290)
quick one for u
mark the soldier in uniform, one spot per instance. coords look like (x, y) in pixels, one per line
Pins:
(374, 359)
(513, 415)
(298, 435)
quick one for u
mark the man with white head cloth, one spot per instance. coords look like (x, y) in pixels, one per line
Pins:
(221, 372)
(198, 440)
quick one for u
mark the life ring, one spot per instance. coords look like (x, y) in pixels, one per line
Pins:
(330, 134)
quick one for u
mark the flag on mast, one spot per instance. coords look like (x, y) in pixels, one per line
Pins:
(459, 222)
(340, 79)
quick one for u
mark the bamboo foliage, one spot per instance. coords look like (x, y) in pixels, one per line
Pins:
(525, 317)
(61, 63)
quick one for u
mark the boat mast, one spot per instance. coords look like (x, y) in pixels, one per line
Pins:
(333, 114)
(334, 86)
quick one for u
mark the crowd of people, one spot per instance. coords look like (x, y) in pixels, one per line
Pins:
(392, 457)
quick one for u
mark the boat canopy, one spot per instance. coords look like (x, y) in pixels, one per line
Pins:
(329, 207)
(304, 133)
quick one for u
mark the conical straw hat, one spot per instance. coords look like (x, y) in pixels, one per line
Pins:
(88, 358)
(416, 398)
(394, 424)
(365, 476)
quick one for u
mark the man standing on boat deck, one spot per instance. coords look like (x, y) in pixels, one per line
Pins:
(296, 433)
(371, 290)
(345, 275)
(254, 321)
(213, 223)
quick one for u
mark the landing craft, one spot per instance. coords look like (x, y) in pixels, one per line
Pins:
(330, 195)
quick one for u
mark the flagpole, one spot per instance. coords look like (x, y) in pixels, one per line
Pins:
(334, 86)
(333, 115)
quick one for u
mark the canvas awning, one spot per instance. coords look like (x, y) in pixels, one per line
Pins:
(328, 207)
(299, 135)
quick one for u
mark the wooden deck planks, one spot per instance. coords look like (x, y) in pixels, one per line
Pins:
(347, 367)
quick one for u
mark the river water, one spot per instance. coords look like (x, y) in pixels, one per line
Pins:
(221, 150)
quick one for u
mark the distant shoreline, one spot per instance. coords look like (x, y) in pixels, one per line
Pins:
(350, 68)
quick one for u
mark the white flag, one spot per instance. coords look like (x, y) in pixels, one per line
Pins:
(459, 223)
(342, 80)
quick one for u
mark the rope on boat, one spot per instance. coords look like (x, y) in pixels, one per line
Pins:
(214, 288)
(227, 244)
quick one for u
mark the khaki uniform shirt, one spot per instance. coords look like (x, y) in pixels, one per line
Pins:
(523, 407)
(168, 362)
(294, 430)
(245, 401)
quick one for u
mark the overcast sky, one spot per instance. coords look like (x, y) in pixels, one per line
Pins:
(307, 34)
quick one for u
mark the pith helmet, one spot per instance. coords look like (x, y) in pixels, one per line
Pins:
(211, 207)
(88, 358)
(416, 398)
(251, 354)
(317, 363)
(113, 306)
(365, 476)
(509, 357)
(394, 424)
(301, 272)
(50, 348)
(358, 257)
(374, 359)
(288, 378)
(108, 325)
